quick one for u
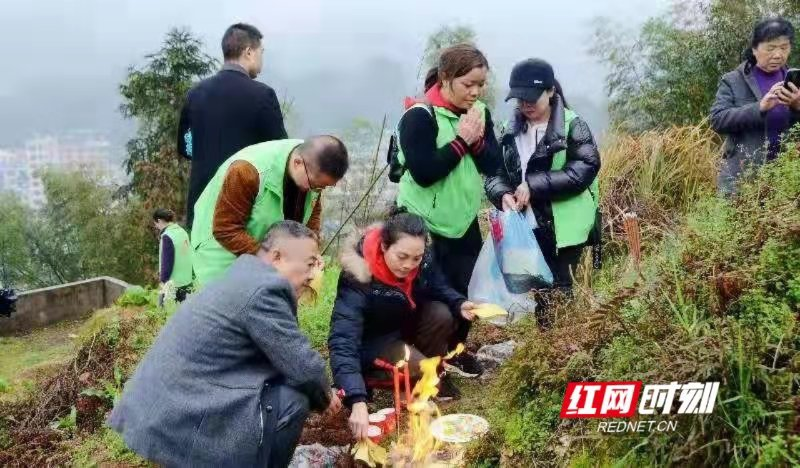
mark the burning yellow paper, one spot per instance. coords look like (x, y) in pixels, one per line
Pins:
(370, 453)
(427, 385)
(459, 349)
(487, 311)
(418, 442)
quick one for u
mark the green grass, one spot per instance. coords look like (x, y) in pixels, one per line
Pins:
(717, 300)
(104, 447)
(24, 355)
(315, 315)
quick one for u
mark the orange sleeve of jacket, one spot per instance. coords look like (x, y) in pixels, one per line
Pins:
(235, 202)
(315, 221)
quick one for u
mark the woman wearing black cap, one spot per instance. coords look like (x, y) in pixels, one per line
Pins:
(549, 170)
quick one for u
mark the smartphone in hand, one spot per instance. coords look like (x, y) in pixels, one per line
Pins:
(792, 76)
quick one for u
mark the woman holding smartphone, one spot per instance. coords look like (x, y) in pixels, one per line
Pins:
(755, 106)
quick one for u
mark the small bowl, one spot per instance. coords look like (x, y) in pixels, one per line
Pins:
(391, 419)
(378, 419)
(375, 434)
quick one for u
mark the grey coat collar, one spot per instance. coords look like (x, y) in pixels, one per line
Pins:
(747, 75)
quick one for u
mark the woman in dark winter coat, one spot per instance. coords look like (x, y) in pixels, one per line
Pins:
(752, 108)
(390, 295)
(447, 144)
(549, 170)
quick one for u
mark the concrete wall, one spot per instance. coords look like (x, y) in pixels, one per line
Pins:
(40, 307)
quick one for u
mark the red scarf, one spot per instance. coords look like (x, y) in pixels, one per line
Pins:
(380, 271)
(434, 97)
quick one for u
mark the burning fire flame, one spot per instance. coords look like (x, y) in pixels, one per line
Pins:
(400, 364)
(416, 446)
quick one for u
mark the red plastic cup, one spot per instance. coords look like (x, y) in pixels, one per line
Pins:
(391, 419)
(375, 434)
(378, 419)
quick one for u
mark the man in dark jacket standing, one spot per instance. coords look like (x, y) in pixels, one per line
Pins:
(231, 378)
(228, 111)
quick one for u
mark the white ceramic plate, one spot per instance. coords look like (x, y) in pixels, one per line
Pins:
(459, 428)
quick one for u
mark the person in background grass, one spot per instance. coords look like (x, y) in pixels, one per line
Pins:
(549, 171)
(390, 295)
(174, 254)
(230, 379)
(753, 109)
(446, 143)
(256, 187)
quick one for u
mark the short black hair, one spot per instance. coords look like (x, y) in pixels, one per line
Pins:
(164, 214)
(239, 37)
(401, 222)
(328, 153)
(766, 30)
(770, 29)
(287, 228)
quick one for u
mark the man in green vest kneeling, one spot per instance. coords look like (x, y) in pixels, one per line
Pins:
(257, 187)
(174, 254)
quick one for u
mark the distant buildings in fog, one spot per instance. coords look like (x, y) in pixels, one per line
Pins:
(78, 150)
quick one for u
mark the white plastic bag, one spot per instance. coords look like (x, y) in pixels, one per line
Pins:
(520, 258)
(487, 285)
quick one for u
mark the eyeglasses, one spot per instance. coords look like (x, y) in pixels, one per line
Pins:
(311, 186)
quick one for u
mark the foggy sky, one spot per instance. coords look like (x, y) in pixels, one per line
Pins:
(63, 60)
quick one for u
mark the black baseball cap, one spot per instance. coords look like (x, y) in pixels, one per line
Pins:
(529, 79)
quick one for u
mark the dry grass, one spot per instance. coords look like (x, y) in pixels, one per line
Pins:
(658, 174)
(28, 438)
(717, 300)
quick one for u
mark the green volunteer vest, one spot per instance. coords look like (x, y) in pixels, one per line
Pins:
(573, 217)
(450, 205)
(211, 259)
(182, 267)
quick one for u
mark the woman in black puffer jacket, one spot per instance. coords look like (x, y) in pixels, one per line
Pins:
(549, 170)
(390, 294)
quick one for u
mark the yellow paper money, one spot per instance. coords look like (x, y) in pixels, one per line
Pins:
(487, 311)
(370, 453)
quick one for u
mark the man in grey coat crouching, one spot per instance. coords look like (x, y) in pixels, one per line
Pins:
(231, 378)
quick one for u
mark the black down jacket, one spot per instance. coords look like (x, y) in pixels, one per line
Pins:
(546, 185)
(368, 315)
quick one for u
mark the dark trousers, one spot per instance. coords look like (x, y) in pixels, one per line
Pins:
(284, 411)
(456, 258)
(431, 337)
(563, 265)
